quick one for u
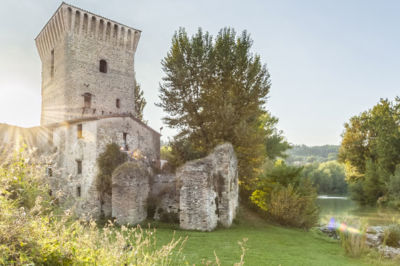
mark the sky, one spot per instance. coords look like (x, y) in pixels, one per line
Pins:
(328, 60)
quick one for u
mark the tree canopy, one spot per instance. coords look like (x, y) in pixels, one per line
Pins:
(370, 149)
(214, 91)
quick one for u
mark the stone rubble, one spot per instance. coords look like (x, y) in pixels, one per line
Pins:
(374, 239)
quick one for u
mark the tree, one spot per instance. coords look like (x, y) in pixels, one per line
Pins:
(370, 150)
(140, 102)
(329, 177)
(275, 143)
(214, 91)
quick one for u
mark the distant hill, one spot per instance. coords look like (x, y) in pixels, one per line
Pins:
(302, 154)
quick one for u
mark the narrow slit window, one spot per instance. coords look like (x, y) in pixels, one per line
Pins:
(49, 171)
(52, 64)
(87, 100)
(79, 131)
(118, 103)
(78, 191)
(78, 167)
(103, 66)
(125, 135)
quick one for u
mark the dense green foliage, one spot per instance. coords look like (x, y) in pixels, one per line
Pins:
(370, 150)
(31, 234)
(328, 177)
(107, 162)
(286, 197)
(140, 102)
(302, 154)
(214, 91)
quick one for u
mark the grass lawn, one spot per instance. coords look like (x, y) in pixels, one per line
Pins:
(267, 244)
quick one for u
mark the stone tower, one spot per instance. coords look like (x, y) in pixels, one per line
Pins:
(87, 66)
(88, 82)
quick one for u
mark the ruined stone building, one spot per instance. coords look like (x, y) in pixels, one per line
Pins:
(88, 81)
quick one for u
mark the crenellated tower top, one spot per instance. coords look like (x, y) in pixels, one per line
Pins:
(74, 20)
(87, 66)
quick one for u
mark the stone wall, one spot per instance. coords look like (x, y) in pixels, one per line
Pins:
(130, 190)
(209, 190)
(71, 46)
(164, 197)
(96, 135)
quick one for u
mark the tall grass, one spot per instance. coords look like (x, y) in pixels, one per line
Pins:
(34, 231)
(354, 244)
(30, 232)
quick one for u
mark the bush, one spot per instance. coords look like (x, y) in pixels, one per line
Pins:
(393, 187)
(353, 244)
(285, 197)
(108, 161)
(392, 236)
(289, 207)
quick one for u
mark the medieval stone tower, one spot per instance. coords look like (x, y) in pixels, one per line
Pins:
(87, 66)
(88, 81)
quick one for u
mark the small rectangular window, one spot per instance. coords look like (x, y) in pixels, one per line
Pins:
(49, 171)
(118, 103)
(125, 135)
(87, 100)
(79, 167)
(79, 131)
(78, 191)
(103, 66)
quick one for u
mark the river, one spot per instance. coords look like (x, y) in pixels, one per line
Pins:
(343, 209)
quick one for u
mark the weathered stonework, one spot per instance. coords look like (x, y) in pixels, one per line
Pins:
(88, 82)
(209, 190)
(130, 190)
(71, 46)
(165, 197)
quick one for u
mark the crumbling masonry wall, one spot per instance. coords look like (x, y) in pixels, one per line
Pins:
(209, 190)
(130, 190)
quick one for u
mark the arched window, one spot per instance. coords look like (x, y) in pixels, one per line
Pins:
(103, 66)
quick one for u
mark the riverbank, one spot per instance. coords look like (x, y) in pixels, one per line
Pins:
(267, 244)
(343, 209)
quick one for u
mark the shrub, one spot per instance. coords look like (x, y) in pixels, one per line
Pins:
(285, 197)
(392, 235)
(107, 162)
(393, 187)
(289, 207)
(353, 244)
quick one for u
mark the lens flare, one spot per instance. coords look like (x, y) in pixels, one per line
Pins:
(342, 227)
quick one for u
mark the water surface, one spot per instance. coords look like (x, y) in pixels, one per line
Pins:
(343, 209)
